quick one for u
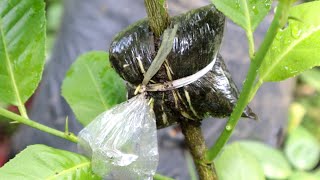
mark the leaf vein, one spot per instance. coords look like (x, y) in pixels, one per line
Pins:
(247, 14)
(9, 67)
(286, 51)
(75, 168)
(97, 86)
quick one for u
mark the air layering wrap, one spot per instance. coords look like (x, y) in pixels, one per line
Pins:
(195, 45)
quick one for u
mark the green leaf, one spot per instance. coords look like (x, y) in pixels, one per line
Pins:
(246, 13)
(22, 48)
(297, 47)
(91, 86)
(302, 149)
(273, 161)
(43, 162)
(303, 176)
(236, 163)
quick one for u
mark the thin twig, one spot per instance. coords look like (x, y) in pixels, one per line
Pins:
(12, 116)
(157, 15)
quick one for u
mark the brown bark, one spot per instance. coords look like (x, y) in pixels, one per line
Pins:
(196, 144)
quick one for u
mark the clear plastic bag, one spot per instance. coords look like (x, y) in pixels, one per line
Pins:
(123, 141)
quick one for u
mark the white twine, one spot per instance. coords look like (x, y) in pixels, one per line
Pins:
(178, 83)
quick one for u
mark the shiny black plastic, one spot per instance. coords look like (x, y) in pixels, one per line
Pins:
(197, 42)
(215, 94)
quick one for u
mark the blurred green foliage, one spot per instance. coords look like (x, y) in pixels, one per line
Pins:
(308, 96)
(299, 156)
(54, 10)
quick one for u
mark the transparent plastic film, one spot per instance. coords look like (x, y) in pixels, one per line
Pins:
(165, 48)
(122, 141)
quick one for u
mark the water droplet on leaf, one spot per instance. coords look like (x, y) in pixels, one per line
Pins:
(255, 10)
(295, 32)
(279, 36)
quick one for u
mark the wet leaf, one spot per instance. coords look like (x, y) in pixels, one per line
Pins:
(302, 149)
(22, 49)
(235, 162)
(43, 162)
(91, 86)
(273, 161)
(246, 13)
(297, 47)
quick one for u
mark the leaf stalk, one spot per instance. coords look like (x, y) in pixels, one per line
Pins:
(12, 116)
(246, 94)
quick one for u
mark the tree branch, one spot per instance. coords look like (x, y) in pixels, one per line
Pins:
(157, 15)
(159, 21)
(198, 149)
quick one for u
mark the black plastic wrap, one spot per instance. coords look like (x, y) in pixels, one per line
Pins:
(196, 44)
(87, 26)
(214, 94)
(197, 41)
